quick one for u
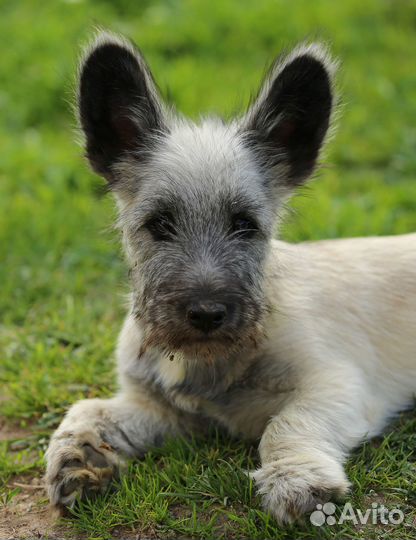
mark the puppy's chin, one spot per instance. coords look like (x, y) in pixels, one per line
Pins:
(195, 345)
(208, 350)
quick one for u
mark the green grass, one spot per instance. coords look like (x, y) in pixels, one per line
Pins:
(62, 278)
(200, 489)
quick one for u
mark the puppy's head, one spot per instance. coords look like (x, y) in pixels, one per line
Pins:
(198, 202)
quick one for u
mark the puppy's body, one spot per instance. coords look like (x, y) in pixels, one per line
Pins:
(308, 348)
(340, 314)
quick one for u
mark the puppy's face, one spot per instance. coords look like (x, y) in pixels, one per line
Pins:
(196, 230)
(198, 202)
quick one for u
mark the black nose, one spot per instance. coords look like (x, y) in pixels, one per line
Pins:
(206, 316)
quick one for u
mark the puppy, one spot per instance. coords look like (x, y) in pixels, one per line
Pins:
(308, 348)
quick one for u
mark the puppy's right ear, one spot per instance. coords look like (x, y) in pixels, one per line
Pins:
(119, 107)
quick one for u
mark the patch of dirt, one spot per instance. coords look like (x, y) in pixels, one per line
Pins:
(10, 432)
(27, 514)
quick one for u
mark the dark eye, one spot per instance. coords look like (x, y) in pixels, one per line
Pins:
(243, 226)
(161, 227)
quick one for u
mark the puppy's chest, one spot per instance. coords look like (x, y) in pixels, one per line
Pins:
(241, 394)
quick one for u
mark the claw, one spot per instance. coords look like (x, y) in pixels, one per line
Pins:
(78, 469)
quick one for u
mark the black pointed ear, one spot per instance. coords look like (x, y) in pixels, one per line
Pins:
(119, 108)
(288, 121)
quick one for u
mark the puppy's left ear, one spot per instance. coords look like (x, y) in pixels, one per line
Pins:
(288, 121)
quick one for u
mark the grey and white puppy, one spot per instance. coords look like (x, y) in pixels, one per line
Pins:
(308, 348)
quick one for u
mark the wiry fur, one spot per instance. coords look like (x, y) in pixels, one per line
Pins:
(318, 347)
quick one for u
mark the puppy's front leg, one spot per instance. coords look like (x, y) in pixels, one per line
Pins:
(303, 448)
(87, 450)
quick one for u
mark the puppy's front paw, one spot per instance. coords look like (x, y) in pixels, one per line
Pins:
(79, 464)
(294, 485)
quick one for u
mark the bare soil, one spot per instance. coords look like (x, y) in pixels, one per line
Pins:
(28, 515)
